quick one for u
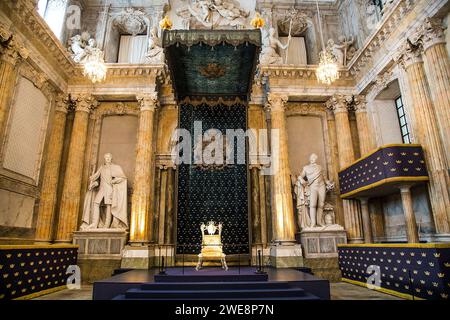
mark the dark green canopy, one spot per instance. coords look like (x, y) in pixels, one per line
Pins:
(212, 64)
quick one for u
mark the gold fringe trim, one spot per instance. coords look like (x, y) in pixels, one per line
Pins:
(387, 180)
(41, 293)
(396, 245)
(39, 246)
(383, 290)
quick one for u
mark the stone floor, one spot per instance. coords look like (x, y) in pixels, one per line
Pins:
(339, 291)
(347, 291)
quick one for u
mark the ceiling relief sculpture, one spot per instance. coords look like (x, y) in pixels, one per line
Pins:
(218, 14)
(131, 21)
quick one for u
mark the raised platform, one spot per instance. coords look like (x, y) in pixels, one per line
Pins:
(236, 283)
(210, 275)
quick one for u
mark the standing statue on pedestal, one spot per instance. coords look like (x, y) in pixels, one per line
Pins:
(155, 52)
(269, 54)
(108, 186)
(311, 189)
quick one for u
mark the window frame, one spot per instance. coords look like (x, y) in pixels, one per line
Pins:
(401, 115)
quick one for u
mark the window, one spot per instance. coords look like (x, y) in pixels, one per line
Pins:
(404, 129)
(54, 13)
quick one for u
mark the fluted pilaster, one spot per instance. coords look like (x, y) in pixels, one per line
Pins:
(71, 194)
(282, 205)
(365, 135)
(428, 134)
(47, 203)
(432, 38)
(339, 104)
(140, 229)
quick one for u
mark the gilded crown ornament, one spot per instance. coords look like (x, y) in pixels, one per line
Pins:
(165, 23)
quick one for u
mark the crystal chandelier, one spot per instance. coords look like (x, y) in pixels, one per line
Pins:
(327, 72)
(95, 68)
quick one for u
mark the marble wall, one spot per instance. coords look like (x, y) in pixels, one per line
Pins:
(26, 128)
(394, 219)
(305, 136)
(118, 137)
(16, 210)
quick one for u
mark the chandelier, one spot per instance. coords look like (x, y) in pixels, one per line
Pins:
(327, 72)
(95, 68)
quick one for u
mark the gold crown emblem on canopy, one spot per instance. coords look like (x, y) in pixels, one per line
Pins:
(212, 71)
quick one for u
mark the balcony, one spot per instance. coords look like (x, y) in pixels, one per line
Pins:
(383, 171)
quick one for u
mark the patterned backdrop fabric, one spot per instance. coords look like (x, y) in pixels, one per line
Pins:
(422, 272)
(29, 270)
(213, 194)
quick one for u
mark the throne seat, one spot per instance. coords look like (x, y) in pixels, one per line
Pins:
(211, 250)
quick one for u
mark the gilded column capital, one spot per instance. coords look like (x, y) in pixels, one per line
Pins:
(11, 50)
(84, 102)
(339, 103)
(276, 101)
(431, 32)
(148, 101)
(408, 54)
(360, 103)
(62, 103)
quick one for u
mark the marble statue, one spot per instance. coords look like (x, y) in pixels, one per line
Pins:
(76, 48)
(311, 189)
(340, 50)
(269, 54)
(214, 13)
(83, 48)
(108, 186)
(155, 52)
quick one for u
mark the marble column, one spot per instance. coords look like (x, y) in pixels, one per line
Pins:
(282, 203)
(428, 134)
(365, 136)
(47, 202)
(410, 218)
(352, 215)
(141, 230)
(71, 193)
(367, 224)
(437, 62)
(11, 54)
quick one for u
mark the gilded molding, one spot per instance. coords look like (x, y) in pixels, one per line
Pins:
(359, 103)
(391, 20)
(409, 53)
(11, 49)
(276, 101)
(84, 102)
(431, 33)
(62, 103)
(339, 103)
(148, 101)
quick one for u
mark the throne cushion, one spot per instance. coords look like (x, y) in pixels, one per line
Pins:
(212, 247)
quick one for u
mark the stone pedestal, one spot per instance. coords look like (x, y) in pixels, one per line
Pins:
(286, 255)
(322, 243)
(100, 243)
(99, 253)
(139, 257)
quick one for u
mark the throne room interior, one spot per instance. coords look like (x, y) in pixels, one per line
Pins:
(352, 100)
